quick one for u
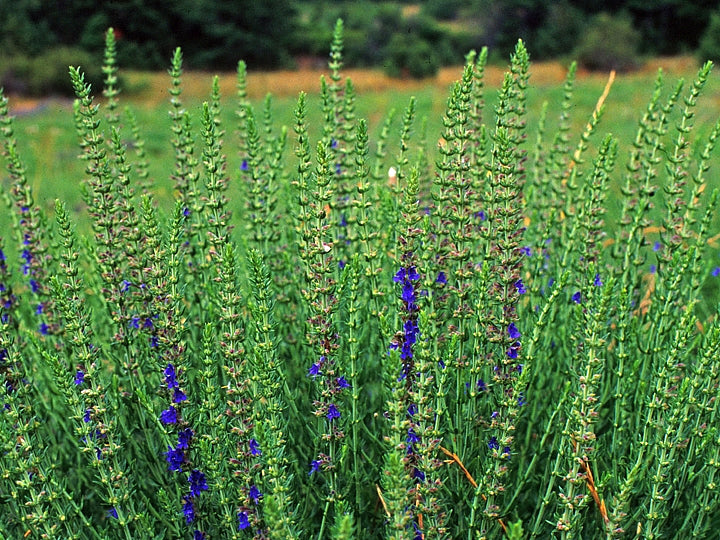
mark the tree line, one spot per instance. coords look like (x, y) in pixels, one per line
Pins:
(404, 38)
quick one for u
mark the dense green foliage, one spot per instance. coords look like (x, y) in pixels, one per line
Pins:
(329, 339)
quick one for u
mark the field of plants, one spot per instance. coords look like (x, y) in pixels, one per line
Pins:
(475, 309)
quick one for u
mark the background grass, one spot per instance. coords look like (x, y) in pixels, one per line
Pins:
(48, 145)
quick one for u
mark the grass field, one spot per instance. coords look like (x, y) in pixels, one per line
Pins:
(48, 145)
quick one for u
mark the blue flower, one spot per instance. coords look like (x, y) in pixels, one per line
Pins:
(493, 443)
(39, 309)
(657, 246)
(255, 494)
(125, 287)
(243, 521)
(86, 417)
(412, 437)
(716, 271)
(44, 329)
(408, 293)
(112, 513)
(169, 416)
(598, 282)
(198, 535)
(406, 275)
(480, 215)
(34, 285)
(342, 383)
(577, 297)
(481, 386)
(314, 370)
(79, 377)
(333, 412)
(314, 466)
(513, 332)
(525, 250)
(175, 458)
(198, 483)
(184, 438)
(188, 509)
(178, 396)
(244, 165)
(254, 448)
(170, 376)
(441, 278)
(520, 287)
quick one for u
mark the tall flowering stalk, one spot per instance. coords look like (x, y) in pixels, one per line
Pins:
(505, 204)
(411, 493)
(37, 263)
(320, 292)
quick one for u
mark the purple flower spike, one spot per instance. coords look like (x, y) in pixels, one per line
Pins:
(314, 370)
(188, 509)
(170, 376)
(577, 297)
(184, 438)
(441, 278)
(175, 458)
(342, 383)
(520, 287)
(169, 416)
(79, 377)
(254, 448)
(255, 494)
(243, 521)
(493, 443)
(333, 412)
(178, 396)
(198, 483)
(513, 332)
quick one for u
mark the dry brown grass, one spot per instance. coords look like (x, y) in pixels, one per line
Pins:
(150, 88)
(288, 83)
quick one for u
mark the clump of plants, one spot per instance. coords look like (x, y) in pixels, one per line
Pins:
(365, 344)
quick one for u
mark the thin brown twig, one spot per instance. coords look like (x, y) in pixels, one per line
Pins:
(454, 458)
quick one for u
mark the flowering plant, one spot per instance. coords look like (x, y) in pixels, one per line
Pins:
(468, 349)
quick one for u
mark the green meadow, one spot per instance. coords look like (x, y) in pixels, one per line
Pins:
(48, 143)
(480, 306)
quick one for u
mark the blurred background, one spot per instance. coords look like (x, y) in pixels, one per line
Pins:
(404, 39)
